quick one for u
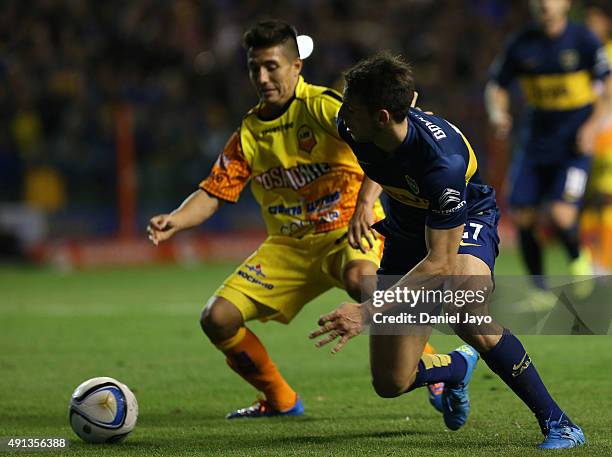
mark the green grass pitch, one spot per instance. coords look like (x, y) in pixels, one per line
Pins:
(141, 326)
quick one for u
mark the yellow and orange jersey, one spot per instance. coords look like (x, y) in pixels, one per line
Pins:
(601, 175)
(303, 175)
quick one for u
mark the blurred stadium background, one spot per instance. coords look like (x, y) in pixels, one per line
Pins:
(114, 111)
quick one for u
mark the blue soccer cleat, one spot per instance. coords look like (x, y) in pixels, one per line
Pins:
(562, 435)
(435, 395)
(261, 408)
(455, 398)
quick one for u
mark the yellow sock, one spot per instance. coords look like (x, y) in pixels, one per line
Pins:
(248, 357)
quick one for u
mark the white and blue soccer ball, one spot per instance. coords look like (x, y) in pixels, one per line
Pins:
(103, 410)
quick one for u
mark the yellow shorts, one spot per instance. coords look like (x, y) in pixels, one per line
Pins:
(285, 273)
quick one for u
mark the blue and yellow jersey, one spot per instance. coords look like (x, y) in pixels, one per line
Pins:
(556, 77)
(304, 177)
(431, 180)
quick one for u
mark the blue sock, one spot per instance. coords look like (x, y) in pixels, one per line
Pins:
(531, 251)
(570, 240)
(433, 368)
(509, 360)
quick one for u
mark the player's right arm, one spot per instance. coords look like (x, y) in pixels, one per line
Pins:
(360, 225)
(229, 175)
(497, 102)
(497, 97)
(445, 189)
(196, 209)
(349, 319)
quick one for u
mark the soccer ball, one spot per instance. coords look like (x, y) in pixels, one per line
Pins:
(103, 410)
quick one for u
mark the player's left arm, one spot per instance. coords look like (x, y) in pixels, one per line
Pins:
(497, 92)
(600, 72)
(446, 191)
(349, 319)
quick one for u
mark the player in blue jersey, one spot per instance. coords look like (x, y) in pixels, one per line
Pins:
(556, 63)
(441, 226)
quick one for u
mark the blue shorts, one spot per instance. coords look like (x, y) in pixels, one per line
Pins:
(532, 183)
(480, 239)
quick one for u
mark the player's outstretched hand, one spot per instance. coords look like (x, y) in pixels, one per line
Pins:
(161, 228)
(345, 322)
(360, 227)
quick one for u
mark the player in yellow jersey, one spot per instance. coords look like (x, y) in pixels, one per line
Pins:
(307, 182)
(597, 216)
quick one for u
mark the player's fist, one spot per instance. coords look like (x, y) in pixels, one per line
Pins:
(360, 227)
(161, 228)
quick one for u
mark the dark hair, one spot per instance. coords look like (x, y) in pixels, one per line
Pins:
(271, 32)
(383, 81)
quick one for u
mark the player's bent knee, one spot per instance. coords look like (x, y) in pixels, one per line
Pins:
(564, 215)
(392, 386)
(357, 277)
(482, 343)
(220, 319)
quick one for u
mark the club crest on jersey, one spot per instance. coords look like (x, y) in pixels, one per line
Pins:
(256, 269)
(412, 184)
(306, 138)
(568, 58)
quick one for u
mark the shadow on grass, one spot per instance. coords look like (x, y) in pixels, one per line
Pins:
(323, 444)
(217, 419)
(208, 434)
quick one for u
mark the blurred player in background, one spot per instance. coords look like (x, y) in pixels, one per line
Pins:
(597, 217)
(440, 225)
(557, 64)
(308, 182)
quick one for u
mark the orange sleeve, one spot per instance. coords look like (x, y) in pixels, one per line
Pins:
(230, 173)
